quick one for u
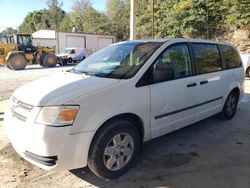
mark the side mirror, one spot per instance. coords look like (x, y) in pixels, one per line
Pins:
(162, 74)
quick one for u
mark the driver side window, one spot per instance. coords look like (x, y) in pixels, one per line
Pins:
(175, 62)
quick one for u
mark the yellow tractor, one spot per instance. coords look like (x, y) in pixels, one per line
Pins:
(16, 51)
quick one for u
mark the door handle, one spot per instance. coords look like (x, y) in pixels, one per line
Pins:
(192, 85)
(203, 82)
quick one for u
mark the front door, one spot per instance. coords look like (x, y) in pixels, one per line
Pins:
(173, 100)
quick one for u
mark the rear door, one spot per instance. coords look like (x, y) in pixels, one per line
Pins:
(211, 80)
(173, 101)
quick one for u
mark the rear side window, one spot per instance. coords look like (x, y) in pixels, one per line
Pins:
(207, 58)
(231, 57)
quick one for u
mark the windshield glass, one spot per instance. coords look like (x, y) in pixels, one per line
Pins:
(120, 61)
(69, 51)
(24, 40)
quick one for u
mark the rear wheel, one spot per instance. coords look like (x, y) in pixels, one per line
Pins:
(8, 66)
(113, 149)
(248, 72)
(17, 62)
(230, 105)
(48, 60)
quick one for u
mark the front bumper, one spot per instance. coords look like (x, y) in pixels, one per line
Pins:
(48, 147)
(45, 160)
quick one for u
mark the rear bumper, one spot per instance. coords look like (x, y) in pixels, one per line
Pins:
(48, 147)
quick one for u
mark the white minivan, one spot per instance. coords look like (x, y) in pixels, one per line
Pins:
(99, 113)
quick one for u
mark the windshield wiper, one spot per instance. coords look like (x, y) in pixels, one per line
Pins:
(73, 70)
(81, 72)
(87, 73)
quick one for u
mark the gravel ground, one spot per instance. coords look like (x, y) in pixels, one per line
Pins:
(11, 80)
(210, 153)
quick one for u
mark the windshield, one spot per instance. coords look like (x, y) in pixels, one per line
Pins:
(69, 51)
(24, 40)
(120, 61)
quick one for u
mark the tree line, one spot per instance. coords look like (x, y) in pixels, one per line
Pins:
(210, 19)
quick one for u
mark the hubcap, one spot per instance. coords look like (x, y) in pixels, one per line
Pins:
(231, 104)
(118, 151)
(18, 62)
(51, 60)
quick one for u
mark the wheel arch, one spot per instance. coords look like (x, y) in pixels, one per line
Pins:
(237, 87)
(133, 118)
(236, 90)
(12, 53)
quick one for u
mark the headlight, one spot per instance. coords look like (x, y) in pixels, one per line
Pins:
(57, 115)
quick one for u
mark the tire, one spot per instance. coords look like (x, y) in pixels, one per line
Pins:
(8, 66)
(17, 62)
(110, 156)
(49, 60)
(248, 72)
(69, 60)
(230, 106)
(40, 61)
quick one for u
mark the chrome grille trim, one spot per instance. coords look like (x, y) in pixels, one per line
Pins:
(20, 110)
(25, 106)
(19, 116)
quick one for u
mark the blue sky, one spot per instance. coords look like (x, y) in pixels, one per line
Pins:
(12, 12)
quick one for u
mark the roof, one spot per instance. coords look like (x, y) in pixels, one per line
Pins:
(178, 40)
(45, 34)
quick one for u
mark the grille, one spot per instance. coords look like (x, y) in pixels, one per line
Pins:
(20, 110)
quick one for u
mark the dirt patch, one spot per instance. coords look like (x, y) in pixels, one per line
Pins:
(169, 161)
(11, 80)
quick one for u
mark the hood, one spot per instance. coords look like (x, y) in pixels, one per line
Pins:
(61, 55)
(60, 88)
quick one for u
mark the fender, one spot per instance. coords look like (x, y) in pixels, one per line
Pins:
(10, 54)
(234, 85)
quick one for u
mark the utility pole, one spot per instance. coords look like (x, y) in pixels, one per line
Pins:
(207, 22)
(132, 20)
(153, 20)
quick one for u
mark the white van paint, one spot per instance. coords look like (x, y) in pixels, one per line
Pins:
(162, 107)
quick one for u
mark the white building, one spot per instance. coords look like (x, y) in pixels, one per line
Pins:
(89, 42)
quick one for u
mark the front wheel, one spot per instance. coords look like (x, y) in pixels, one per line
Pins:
(230, 105)
(113, 149)
(17, 62)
